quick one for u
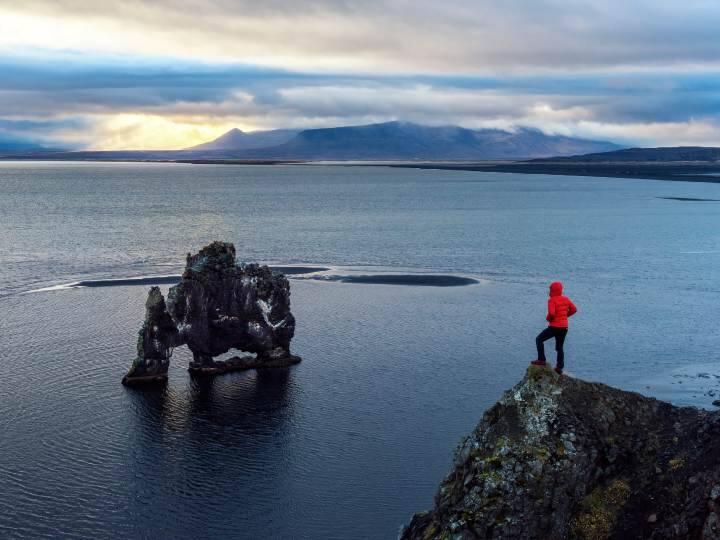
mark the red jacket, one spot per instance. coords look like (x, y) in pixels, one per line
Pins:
(559, 307)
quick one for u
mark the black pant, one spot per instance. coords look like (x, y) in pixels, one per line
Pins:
(549, 333)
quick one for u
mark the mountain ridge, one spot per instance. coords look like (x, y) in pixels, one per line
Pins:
(237, 139)
(398, 140)
(386, 141)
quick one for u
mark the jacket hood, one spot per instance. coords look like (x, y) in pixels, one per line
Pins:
(556, 288)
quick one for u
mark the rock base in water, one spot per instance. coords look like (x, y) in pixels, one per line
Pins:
(238, 363)
(560, 458)
(129, 380)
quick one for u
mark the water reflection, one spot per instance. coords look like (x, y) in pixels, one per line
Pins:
(228, 435)
(258, 400)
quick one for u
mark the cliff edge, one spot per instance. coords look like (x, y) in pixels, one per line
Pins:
(559, 457)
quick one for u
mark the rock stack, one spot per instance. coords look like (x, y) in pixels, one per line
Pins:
(218, 306)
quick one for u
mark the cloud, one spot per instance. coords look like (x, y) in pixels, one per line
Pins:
(688, 133)
(111, 104)
(390, 36)
(171, 73)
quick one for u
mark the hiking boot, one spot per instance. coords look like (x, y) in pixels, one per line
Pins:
(558, 370)
(538, 362)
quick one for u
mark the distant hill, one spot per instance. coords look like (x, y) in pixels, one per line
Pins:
(682, 164)
(401, 141)
(408, 141)
(647, 155)
(12, 146)
(236, 139)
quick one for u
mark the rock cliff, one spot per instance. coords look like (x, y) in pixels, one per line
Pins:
(217, 306)
(558, 457)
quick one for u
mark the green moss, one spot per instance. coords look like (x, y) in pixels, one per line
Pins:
(599, 511)
(492, 476)
(502, 442)
(541, 453)
(430, 532)
(537, 373)
(617, 493)
(560, 449)
(495, 460)
(676, 464)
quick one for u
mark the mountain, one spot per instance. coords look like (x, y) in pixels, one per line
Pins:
(403, 141)
(236, 139)
(666, 154)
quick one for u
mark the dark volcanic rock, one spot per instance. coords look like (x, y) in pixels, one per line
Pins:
(557, 457)
(216, 307)
(156, 339)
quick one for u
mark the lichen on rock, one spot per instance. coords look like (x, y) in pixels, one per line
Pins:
(558, 458)
(218, 306)
(598, 512)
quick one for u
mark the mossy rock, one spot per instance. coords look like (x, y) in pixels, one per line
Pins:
(538, 373)
(599, 511)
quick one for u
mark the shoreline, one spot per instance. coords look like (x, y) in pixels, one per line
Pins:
(667, 171)
(701, 172)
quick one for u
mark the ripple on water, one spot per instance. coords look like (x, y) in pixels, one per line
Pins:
(391, 378)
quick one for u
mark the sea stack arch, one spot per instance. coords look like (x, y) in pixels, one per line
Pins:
(219, 305)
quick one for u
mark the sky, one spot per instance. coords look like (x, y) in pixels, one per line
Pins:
(168, 74)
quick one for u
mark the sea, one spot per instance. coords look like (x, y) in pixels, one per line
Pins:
(417, 294)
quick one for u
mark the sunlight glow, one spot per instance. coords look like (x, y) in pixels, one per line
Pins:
(154, 132)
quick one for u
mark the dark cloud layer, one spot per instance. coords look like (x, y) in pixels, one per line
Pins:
(640, 72)
(38, 89)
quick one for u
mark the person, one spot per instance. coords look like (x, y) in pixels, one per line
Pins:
(560, 307)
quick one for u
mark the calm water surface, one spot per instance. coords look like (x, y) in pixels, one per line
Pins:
(352, 441)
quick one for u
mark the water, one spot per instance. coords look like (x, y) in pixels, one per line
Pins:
(352, 441)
